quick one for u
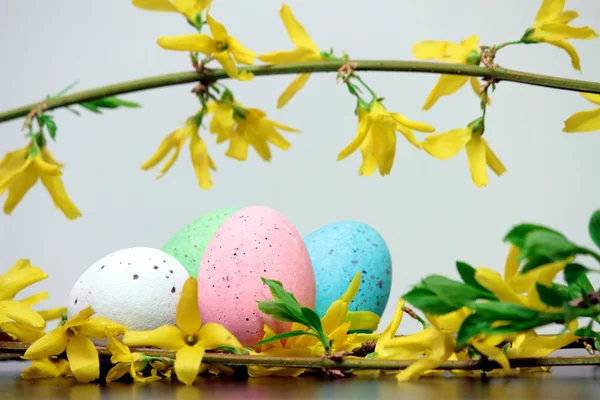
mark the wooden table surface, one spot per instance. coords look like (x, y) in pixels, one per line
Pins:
(566, 383)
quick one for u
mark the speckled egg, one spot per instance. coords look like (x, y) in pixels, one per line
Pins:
(341, 249)
(137, 287)
(188, 245)
(254, 242)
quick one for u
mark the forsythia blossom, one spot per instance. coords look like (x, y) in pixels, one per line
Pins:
(376, 137)
(201, 160)
(189, 339)
(446, 145)
(306, 50)
(245, 127)
(585, 121)
(465, 52)
(221, 46)
(552, 26)
(189, 8)
(21, 169)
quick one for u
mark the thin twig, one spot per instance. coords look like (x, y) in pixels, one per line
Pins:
(310, 67)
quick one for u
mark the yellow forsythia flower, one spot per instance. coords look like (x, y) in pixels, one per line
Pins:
(189, 339)
(446, 145)
(465, 52)
(376, 137)
(585, 121)
(126, 363)
(73, 337)
(220, 46)
(20, 171)
(306, 50)
(552, 26)
(245, 127)
(18, 277)
(201, 160)
(47, 367)
(189, 8)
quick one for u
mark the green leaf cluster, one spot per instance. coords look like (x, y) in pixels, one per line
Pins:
(109, 102)
(285, 307)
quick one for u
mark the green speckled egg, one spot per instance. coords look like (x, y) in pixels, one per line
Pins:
(188, 245)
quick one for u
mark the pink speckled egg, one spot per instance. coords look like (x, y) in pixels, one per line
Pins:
(254, 242)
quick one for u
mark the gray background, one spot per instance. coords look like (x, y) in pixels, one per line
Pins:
(428, 210)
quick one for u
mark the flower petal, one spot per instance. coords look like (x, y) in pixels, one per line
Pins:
(22, 314)
(23, 333)
(417, 126)
(187, 363)
(53, 343)
(362, 320)
(446, 145)
(79, 318)
(213, 335)
(364, 124)
(470, 43)
(493, 282)
(18, 277)
(554, 31)
(217, 30)
(392, 328)
(295, 30)
(512, 263)
(352, 288)
(446, 85)
(83, 359)
(187, 315)
(584, 121)
(17, 189)
(190, 8)
(100, 327)
(192, 42)
(297, 84)
(59, 195)
(238, 147)
(154, 5)
(119, 352)
(241, 54)
(117, 372)
(201, 161)
(439, 50)
(494, 353)
(35, 298)
(41, 369)
(224, 58)
(492, 160)
(299, 54)
(409, 135)
(166, 337)
(477, 162)
(594, 98)
(549, 10)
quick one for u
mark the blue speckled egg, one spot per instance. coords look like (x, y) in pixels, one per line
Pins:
(341, 249)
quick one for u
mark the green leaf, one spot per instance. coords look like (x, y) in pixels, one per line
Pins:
(563, 290)
(113, 102)
(428, 302)
(278, 310)
(594, 227)
(467, 274)
(533, 262)
(50, 126)
(500, 311)
(517, 234)
(549, 296)
(473, 325)
(515, 327)
(285, 297)
(91, 107)
(312, 319)
(574, 272)
(550, 245)
(285, 335)
(454, 292)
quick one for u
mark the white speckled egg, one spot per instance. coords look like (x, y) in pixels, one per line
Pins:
(137, 287)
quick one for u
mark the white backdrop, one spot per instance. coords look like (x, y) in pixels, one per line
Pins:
(429, 211)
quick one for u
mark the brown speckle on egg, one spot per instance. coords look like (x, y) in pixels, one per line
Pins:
(135, 276)
(156, 267)
(173, 290)
(102, 267)
(75, 301)
(167, 276)
(171, 271)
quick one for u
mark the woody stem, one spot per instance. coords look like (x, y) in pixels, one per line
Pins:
(499, 74)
